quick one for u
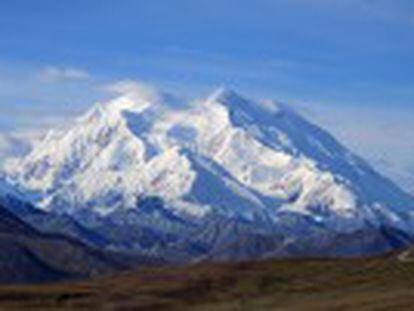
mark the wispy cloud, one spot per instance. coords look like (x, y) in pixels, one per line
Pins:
(123, 87)
(34, 96)
(55, 73)
(134, 89)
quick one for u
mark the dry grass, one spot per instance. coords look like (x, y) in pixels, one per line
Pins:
(362, 284)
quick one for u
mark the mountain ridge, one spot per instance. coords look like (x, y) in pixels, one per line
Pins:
(223, 157)
(29, 255)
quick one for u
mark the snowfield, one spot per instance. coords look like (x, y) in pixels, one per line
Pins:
(222, 158)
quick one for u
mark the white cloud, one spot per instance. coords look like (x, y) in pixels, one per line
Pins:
(136, 89)
(129, 86)
(54, 73)
(36, 99)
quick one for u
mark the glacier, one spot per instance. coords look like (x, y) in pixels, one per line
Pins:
(222, 177)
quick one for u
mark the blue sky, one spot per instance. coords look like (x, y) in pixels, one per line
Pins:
(340, 61)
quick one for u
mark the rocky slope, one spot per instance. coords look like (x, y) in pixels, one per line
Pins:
(222, 177)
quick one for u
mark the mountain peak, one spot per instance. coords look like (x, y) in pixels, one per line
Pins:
(229, 157)
(132, 101)
(128, 102)
(129, 97)
(235, 102)
(224, 95)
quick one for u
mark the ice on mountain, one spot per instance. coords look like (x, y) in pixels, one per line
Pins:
(223, 155)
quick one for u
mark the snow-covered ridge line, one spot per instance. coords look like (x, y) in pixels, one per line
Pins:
(223, 155)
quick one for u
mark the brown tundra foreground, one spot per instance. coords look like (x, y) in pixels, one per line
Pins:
(360, 284)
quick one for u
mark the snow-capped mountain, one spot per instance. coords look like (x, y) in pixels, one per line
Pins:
(199, 176)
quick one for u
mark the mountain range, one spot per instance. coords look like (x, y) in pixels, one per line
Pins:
(219, 178)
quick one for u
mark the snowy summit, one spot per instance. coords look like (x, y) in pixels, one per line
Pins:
(259, 167)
